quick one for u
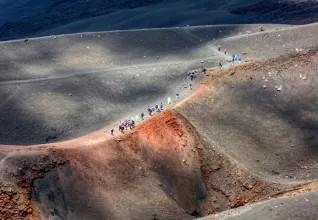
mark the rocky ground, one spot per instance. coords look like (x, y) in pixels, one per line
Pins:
(245, 136)
(177, 164)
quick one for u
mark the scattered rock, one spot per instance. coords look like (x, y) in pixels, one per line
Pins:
(279, 88)
(26, 40)
(232, 73)
(275, 172)
(264, 86)
(261, 29)
(54, 37)
(70, 94)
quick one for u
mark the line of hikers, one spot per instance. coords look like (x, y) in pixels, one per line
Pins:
(124, 125)
(234, 57)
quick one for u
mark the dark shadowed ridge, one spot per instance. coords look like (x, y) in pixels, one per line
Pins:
(65, 17)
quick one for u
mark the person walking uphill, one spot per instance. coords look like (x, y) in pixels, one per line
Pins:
(149, 111)
(112, 132)
(142, 116)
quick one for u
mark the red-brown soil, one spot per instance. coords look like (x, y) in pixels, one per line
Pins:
(166, 168)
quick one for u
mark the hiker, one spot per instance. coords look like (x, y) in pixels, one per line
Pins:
(177, 96)
(137, 118)
(219, 48)
(192, 76)
(225, 52)
(121, 128)
(158, 110)
(233, 57)
(153, 109)
(142, 116)
(112, 132)
(190, 86)
(161, 105)
(169, 100)
(128, 124)
(132, 124)
(239, 60)
(204, 70)
(156, 107)
(220, 65)
(149, 110)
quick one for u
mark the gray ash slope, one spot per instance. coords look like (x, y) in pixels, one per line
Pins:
(55, 89)
(33, 18)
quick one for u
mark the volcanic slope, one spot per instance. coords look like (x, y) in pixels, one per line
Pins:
(227, 144)
(58, 88)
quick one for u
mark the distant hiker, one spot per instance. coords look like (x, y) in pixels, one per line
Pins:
(219, 48)
(225, 52)
(126, 124)
(142, 116)
(156, 107)
(239, 60)
(153, 109)
(169, 100)
(161, 106)
(131, 124)
(204, 70)
(220, 65)
(177, 96)
(192, 76)
(112, 132)
(121, 128)
(149, 110)
(233, 57)
(190, 86)
(137, 118)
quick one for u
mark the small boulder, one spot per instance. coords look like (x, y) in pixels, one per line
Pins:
(279, 88)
